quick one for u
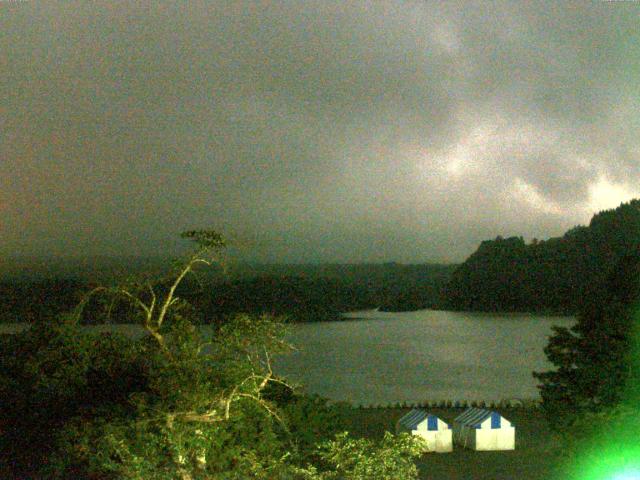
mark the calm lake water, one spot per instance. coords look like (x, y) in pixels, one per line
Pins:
(380, 357)
(420, 356)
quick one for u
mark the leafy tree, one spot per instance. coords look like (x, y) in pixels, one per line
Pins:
(594, 359)
(174, 404)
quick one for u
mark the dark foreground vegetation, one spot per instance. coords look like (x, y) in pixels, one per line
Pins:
(554, 275)
(172, 404)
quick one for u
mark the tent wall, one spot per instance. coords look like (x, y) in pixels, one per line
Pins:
(485, 438)
(437, 441)
(484, 430)
(437, 434)
(495, 439)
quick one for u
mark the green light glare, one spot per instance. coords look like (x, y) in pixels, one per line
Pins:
(613, 452)
(612, 465)
(630, 475)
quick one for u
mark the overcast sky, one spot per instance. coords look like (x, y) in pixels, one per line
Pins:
(316, 130)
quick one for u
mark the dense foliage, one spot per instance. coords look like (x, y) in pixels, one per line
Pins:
(176, 403)
(596, 360)
(55, 372)
(31, 300)
(555, 275)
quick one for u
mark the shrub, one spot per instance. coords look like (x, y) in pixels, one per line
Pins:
(50, 374)
(362, 459)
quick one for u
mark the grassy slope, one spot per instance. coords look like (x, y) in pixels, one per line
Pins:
(536, 455)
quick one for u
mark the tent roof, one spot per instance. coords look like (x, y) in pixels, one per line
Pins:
(415, 417)
(474, 416)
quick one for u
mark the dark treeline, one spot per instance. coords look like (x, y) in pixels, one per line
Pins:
(302, 292)
(312, 293)
(43, 299)
(555, 275)
(102, 269)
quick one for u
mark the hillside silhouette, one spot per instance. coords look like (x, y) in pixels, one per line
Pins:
(553, 275)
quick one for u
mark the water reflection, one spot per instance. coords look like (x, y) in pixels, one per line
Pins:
(418, 356)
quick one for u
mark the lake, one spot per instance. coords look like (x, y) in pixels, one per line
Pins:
(383, 357)
(421, 356)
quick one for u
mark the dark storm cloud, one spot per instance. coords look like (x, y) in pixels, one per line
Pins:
(321, 130)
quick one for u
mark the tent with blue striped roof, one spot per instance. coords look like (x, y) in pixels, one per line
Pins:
(436, 433)
(481, 429)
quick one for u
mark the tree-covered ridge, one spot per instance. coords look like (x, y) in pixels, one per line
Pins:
(305, 293)
(326, 291)
(43, 299)
(555, 275)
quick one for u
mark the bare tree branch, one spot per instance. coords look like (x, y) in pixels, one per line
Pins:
(135, 300)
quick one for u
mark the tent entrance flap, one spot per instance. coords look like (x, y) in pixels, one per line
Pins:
(495, 420)
(432, 423)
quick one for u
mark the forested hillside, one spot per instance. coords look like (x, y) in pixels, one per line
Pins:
(305, 293)
(312, 293)
(555, 275)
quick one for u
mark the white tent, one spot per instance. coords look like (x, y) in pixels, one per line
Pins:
(436, 432)
(480, 429)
